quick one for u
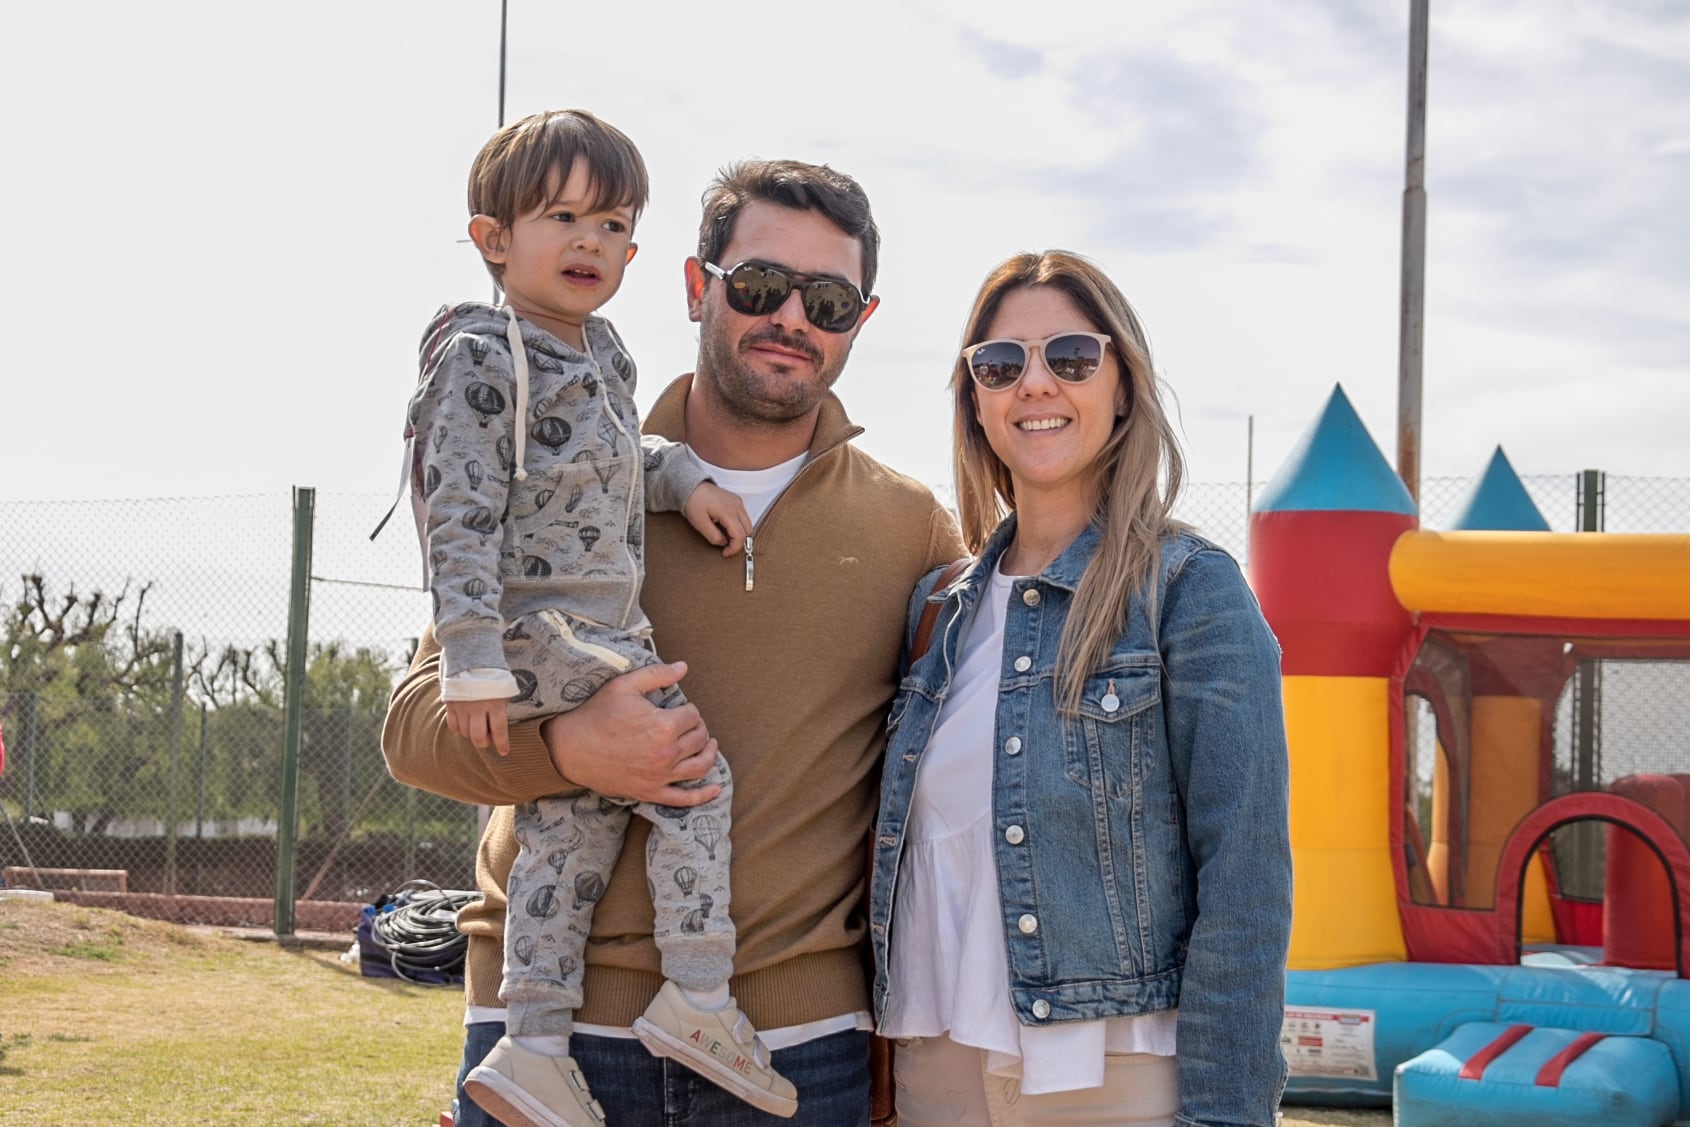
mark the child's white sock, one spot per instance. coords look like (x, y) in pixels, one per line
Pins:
(707, 1000)
(547, 1045)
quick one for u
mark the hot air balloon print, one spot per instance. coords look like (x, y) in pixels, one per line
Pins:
(693, 923)
(620, 363)
(475, 587)
(605, 471)
(440, 433)
(431, 480)
(574, 499)
(705, 903)
(543, 905)
(590, 384)
(478, 348)
(577, 689)
(685, 877)
(707, 831)
(525, 950)
(437, 559)
(517, 632)
(566, 965)
(652, 461)
(589, 534)
(505, 448)
(533, 567)
(588, 888)
(551, 432)
(481, 520)
(542, 499)
(611, 433)
(526, 686)
(485, 400)
(677, 814)
(472, 471)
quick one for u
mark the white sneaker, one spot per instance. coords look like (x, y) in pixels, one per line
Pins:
(720, 1046)
(521, 1088)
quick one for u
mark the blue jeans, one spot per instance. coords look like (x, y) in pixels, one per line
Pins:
(637, 1089)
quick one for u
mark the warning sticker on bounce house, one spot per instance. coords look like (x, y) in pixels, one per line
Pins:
(1329, 1042)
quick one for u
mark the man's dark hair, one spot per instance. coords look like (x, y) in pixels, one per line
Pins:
(794, 184)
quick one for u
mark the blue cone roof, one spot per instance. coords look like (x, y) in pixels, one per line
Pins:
(1499, 502)
(1336, 467)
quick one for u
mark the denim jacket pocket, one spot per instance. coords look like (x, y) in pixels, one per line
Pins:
(1107, 745)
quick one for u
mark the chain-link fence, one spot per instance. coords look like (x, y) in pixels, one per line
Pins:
(145, 707)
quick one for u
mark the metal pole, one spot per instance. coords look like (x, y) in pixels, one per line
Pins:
(1587, 714)
(199, 812)
(1411, 329)
(32, 752)
(504, 8)
(299, 615)
(175, 755)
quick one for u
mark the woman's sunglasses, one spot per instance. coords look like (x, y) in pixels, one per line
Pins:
(997, 365)
(758, 289)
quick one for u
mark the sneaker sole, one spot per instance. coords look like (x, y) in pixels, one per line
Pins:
(664, 1044)
(494, 1093)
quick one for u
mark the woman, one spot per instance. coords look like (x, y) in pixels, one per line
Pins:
(1082, 879)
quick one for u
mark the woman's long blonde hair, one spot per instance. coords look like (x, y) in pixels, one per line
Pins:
(1138, 471)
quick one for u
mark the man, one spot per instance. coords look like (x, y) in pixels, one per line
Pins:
(793, 655)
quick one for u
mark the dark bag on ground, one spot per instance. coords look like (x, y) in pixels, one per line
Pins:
(412, 933)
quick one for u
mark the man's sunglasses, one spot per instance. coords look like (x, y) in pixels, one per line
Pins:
(758, 289)
(997, 365)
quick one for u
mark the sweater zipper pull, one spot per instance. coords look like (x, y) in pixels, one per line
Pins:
(750, 563)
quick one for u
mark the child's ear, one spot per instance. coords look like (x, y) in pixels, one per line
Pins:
(490, 237)
(633, 249)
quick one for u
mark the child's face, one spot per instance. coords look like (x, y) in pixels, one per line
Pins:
(562, 261)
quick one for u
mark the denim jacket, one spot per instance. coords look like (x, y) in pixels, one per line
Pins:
(1143, 852)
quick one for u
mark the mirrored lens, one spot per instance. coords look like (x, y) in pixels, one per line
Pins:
(831, 306)
(1073, 358)
(758, 290)
(997, 364)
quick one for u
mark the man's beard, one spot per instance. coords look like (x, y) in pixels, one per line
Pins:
(756, 397)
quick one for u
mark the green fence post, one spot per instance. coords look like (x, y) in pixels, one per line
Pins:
(31, 752)
(199, 813)
(299, 615)
(1587, 715)
(175, 755)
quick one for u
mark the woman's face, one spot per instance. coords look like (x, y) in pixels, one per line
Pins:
(1049, 433)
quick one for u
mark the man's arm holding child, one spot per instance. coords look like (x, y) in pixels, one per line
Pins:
(616, 742)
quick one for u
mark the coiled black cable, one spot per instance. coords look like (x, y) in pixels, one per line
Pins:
(420, 932)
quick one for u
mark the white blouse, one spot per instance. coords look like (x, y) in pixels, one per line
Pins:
(949, 969)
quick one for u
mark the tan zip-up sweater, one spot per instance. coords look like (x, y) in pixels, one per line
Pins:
(793, 678)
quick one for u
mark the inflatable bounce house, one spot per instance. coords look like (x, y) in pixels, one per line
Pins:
(1492, 919)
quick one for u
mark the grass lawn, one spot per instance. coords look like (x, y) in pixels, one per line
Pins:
(108, 1019)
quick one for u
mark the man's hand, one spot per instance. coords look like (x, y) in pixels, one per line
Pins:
(481, 722)
(619, 743)
(719, 516)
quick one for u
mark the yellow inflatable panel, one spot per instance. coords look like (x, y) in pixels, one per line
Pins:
(1345, 906)
(1345, 912)
(1543, 574)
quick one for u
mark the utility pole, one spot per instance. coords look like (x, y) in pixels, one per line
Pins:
(1411, 334)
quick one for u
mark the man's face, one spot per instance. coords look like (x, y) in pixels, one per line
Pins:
(774, 368)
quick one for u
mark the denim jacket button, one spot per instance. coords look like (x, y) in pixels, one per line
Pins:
(1041, 1009)
(1012, 746)
(1030, 596)
(1023, 663)
(1028, 924)
(1015, 835)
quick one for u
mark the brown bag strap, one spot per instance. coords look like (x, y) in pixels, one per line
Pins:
(930, 613)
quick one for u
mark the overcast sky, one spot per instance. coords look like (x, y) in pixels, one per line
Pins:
(229, 222)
